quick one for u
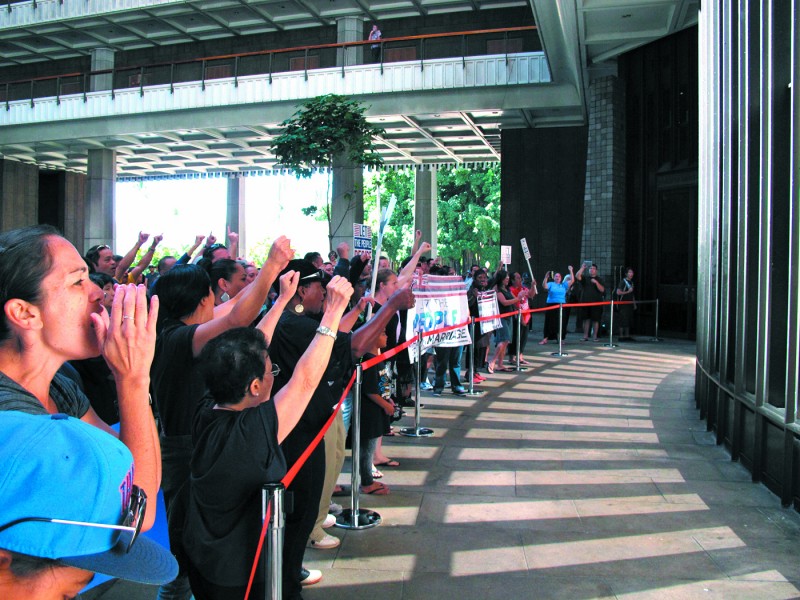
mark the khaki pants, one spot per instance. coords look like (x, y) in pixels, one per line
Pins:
(334, 461)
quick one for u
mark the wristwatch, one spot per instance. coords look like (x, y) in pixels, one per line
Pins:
(322, 330)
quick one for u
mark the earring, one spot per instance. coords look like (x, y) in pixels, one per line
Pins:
(299, 308)
(225, 297)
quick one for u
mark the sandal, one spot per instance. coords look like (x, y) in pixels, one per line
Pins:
(376, 489)
(490, 368)
(390, 462)
(376, 474)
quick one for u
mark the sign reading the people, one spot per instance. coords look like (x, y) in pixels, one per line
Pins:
(441, 301)
(362, 239)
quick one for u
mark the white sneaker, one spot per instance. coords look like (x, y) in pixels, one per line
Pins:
(329, 521)
(310, 576)
(327, 543)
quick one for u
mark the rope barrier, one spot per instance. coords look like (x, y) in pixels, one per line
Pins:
(292, 472)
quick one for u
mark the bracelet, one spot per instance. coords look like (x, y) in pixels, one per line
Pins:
(322, 330)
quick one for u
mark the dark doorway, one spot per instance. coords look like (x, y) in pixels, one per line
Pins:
(677, 262)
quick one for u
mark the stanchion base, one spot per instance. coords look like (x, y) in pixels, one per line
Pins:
(416, 432)
(654, 340)
(559, 354)
(520, 369)
(365, 519)
(477, 393)
(609, 345)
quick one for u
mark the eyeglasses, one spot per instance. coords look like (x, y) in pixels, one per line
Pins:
(129, 529)
(276, 369)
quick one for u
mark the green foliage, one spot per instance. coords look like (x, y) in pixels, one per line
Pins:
(469, 216)
(399, 234)
(324, 128)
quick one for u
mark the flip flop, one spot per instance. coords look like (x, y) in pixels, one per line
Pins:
(379, 489)
(490, 368)
(376, 474)
(388, 463)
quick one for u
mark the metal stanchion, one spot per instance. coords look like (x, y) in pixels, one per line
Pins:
(472, 391)
(611, 343)
(417, 431)
(272, 493)
(356, 518)
(519, 339)
(560, 332)
(655, 338)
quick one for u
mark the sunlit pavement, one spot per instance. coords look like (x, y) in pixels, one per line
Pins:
(586, 476)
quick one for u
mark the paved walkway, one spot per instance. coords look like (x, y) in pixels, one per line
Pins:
(587, 476)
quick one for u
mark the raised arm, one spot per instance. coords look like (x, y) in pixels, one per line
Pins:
(250, 300)
(350, 318)
(127, 260)
(408, 271)
(366, 336)
(292, 399)
(571, 279)
(128, 338)
(146, 259)
(579, 274)
(545, 280)
(187, 256)
(289, 281)
(233, 243)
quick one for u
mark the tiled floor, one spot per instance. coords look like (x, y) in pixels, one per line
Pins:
(586, 476)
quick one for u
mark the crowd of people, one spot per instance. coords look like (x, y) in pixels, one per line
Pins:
(220, 374)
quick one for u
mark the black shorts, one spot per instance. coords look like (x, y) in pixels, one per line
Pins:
(593, 313)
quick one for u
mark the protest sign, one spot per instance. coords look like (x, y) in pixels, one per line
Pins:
(362, 239)
(505, 255)
(487, 306)
(441, 301)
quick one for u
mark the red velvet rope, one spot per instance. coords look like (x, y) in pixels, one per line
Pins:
(292, 473)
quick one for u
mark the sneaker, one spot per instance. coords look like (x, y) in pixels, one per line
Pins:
(477, 379)
(335, 509)
(459, 391)
(310, 576)
(425, 386)
(437, 392)
(329, 522)
(329, 542)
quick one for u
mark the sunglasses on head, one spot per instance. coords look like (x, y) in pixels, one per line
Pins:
(129, 530)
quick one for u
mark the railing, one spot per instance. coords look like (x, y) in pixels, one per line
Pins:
(508, 40)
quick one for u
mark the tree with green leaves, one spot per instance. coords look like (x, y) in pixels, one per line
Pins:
(399, 235)
(469, 216)
(324, 131)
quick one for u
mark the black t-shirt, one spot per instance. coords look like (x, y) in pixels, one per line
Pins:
(235, 454)
(293, 335)
(376, 380)
(590, 291)
(508, 296)
(177, 383)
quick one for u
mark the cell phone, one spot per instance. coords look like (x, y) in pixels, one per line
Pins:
(587, 264)
(552, 275)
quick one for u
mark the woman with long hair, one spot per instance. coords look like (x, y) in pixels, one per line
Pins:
(507, 303)
(52, 313)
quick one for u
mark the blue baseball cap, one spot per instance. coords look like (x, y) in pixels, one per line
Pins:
(55, 467)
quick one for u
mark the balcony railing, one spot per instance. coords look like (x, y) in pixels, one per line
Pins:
(509, 40)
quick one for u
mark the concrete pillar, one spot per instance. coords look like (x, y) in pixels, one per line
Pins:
(102, 58)
(350, 29)
(74, 207)
(426, 195)
(603, 240)
(100, 196)
(235, 214)
(347, 204)
(19, 194)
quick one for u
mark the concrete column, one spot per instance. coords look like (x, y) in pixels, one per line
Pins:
(350, 29)
(74, 205)
(347, 204)
(426, 195)
(102, 58)
(100, 196)
(235, 215)
(19, 194)
(603, 240)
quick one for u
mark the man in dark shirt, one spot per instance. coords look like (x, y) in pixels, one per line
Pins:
(593, 291)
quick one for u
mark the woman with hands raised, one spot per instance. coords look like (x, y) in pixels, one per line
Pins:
(52, 313)
(236, 442)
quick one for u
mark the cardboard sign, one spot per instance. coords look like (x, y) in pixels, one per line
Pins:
(505, 255)
(362, 239)
(487, 306)
(525, 252)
